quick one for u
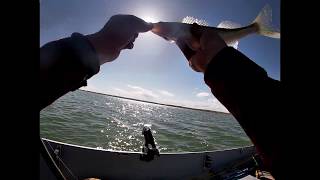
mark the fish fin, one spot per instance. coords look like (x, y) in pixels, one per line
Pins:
(264, 22)
(230, 25)
(233, 44)
(191, 20)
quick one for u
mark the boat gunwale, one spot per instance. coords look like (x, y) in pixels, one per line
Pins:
(133, 152)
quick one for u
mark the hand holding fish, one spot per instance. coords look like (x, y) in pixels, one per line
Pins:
(118, 33)
(209, 44)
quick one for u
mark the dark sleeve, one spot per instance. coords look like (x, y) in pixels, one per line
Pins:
(65, 65)
(251, 97)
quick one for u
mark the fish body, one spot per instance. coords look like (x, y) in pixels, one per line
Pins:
(172, 31)
(230, 32)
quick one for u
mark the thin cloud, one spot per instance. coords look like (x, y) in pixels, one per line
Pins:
(120, 92)
(203, 94)
(208, 104)
(166, 93)
(146, 93)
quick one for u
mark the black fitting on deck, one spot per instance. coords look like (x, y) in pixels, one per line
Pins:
(148, 152)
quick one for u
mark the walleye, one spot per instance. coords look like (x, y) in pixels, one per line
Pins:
(230, 32)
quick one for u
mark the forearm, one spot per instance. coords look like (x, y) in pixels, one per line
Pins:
(249, 94)
(65, 65)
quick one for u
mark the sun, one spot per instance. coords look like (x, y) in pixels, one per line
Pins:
(150, 19)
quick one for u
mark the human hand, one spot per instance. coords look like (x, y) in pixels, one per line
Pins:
(206, 44)
(118, 33)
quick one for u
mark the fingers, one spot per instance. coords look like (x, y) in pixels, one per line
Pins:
(135, 35)
(210, 44)
(198, 62)
(193, 67)
(210, 39)
(139, 25)
(130, 45)
(196, 30)
(193, 43)
(188, 52)
(135, 24)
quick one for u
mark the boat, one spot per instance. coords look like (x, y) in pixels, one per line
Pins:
(80, 162)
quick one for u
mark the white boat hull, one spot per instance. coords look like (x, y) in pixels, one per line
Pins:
(85, 162)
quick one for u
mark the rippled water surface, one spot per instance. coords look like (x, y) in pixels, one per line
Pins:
(101, 121)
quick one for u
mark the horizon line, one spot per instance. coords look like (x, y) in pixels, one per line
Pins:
(152, 102)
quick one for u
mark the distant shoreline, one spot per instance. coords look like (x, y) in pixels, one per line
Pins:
(171, 105)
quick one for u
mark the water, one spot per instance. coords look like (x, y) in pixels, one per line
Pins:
(101, 121)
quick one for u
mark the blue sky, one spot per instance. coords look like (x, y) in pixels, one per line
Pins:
(154, 69)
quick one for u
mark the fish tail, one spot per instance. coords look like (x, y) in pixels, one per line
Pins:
(264, 23)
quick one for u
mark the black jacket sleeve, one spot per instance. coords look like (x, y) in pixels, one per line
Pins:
(251, 97)
(65, 65)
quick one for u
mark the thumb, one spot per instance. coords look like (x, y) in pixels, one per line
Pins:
(140, 25)
(196, 30)
(193, 43)
(145, 27)
(198, 61)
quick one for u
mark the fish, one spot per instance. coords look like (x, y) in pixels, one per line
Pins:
(230, 32)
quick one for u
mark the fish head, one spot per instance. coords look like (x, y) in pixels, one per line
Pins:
(171, 31)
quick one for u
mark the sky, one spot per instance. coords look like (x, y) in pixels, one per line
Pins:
(156, 70)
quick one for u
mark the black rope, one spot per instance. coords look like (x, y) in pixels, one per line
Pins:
(50, 162)
(63, 164)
